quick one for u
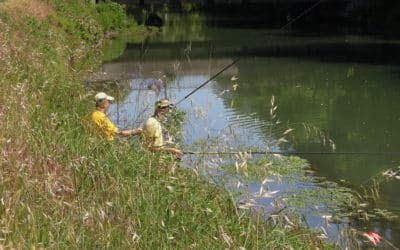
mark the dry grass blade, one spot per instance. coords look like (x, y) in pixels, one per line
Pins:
(288, 131)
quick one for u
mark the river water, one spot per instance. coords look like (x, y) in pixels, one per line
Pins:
(339, 93)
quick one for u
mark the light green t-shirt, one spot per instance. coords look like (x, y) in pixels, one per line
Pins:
(152, 133)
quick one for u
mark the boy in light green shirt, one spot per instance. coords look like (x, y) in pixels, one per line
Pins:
(152, 130)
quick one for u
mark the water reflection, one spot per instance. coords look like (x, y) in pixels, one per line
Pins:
(321, 92)
(355, 112)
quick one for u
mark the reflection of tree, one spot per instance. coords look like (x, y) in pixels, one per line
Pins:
(184, 28)
(379, 16)
(354, 110)
(175, 5)
(347, 109)
(113, 49)
(210, 3)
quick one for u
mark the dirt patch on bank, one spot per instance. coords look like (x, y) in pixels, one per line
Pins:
(33, 8)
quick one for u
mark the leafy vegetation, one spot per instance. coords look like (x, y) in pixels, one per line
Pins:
(112, 15)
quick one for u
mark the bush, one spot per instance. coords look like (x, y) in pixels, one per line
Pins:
(112, 15)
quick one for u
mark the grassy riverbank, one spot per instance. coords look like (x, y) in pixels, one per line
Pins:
(60, 188)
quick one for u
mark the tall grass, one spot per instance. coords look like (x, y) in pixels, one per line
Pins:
(62, 189)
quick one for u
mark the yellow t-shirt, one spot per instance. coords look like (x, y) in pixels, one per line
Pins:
(103, 126)
(152, 133)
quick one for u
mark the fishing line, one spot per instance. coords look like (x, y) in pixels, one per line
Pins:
(288, 153)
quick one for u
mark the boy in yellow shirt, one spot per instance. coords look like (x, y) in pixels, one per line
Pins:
(102, 124)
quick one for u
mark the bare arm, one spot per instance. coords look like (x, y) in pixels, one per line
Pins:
(130, 132)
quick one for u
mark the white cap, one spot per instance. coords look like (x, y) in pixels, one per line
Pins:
(103, 96)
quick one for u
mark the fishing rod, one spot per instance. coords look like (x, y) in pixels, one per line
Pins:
(301, 14)
(286, 153)
(235, 61)
(202, 85)
(209, 80)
